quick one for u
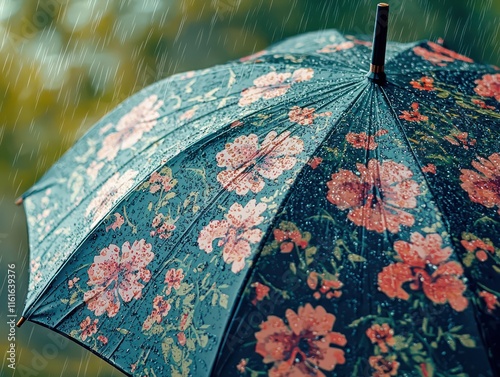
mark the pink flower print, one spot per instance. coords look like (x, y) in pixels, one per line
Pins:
(273, 84)
(188, 114)
(117, 224)
(304, 116)
(109, 194)
(160, 310)
(247, 163)
(102, 339)
(489, 86)
(164, 226)
(72, 282)
(116, 275)
(237, 232)
(93, 169)
(130, 128)
(174, 278)
(181, 338)
(336, 47)
(161, 182)
(88, 328)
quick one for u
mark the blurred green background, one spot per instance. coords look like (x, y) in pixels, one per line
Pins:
(65, 63)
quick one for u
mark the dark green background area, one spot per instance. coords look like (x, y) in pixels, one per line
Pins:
(66, 63)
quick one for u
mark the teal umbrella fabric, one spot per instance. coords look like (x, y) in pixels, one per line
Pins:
(283, 215)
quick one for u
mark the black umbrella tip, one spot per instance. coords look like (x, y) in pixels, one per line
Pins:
(20, 322)
(379, 44)
(19, 201)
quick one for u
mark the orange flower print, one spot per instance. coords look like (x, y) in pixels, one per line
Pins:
(377, 196)
(489, 86)
(479, 248)
(429, 168)
(302, 347)
(364, 141)
(330, 288)
(237, 232)
(261, 292)
(383, 367)
(247, 163)
(490, 300)
(441, 284)
(382, 335)
(457, 137)
(116, 276)
(483, 185)
(482, 104)
(438, 55)
(424, 83)
(315, 162)
(413, 115)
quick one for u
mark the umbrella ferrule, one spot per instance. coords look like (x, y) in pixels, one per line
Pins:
(379, 44)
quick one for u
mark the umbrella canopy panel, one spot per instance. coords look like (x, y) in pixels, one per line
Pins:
(282, 215)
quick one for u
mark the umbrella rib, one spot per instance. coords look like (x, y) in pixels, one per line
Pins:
(247, 278)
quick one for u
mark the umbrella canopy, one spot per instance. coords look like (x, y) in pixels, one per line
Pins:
(284, 215)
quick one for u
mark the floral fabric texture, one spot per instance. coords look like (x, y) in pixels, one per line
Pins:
(283, 216)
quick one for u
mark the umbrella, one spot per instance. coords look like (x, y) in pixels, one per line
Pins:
(287, 214)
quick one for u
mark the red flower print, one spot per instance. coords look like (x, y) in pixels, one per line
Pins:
(376, 197)
(336, 47)
(163, 226)
(363, 141)
(304, 116)
(237, 232)
(160, 310)
(130, 128)
(174, 278)
(241, 367)
(424, 83)
(482, 104)
(273, 85)
(439, 55)
(102, 339)
(441, 284)
(184, 318)
(301, 347)
(489, 86)
(162, 182)
(289, 238)
(383, 367)
(116, 275)
(327, 287)
(247, 164)
(490, 300)
(181, 338)
(315, 162)
(429, 168)
(383, 335)
(483, 186)
(109, 194)
(413, 115)
(88, 328)
(479, 247)
(261, 291)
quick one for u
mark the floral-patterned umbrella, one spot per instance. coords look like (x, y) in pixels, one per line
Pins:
(283, 215)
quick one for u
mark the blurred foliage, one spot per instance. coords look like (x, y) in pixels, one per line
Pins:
(65, 63)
